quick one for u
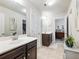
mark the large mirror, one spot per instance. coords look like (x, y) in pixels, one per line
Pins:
(12, 18)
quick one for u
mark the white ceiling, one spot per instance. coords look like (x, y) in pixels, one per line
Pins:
(12, 5)
(61, 6)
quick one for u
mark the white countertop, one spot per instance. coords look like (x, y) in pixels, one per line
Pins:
(46, 32)
(7, 45)
(74, 49)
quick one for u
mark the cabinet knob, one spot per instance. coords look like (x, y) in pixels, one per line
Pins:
(28, 54)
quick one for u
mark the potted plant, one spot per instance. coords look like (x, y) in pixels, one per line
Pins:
(70, 41)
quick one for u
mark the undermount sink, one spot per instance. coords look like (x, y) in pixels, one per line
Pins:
(10, 42)
(16, 42)
(5, 42)
(12, 39)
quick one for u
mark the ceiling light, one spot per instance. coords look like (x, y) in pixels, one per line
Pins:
(18, 1)
(50, 2)
(24, 10)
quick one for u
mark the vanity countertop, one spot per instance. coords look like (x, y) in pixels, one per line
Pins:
(46, 32)
(74, 49)
(8, 45)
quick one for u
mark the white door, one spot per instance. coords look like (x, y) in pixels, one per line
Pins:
(35, 26)
(2, 23)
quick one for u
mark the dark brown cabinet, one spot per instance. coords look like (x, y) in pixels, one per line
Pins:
(31, 54)
(32, 50)
(22, 56)
(59, 35)
(28, 51)
(13, 54)
(46, 39)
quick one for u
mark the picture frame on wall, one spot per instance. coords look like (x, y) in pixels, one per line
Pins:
(12, 24)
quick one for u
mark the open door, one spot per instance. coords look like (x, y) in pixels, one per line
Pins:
(24, 26)
(67, 26)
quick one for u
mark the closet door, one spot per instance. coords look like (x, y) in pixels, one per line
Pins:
(2, 23)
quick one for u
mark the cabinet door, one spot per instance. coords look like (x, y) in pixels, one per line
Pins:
(20, 57)
(32, 53)
(17, 53)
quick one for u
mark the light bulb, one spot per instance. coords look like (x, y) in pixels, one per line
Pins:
(51, 2)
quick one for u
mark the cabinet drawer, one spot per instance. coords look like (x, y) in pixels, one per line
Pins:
(31, 44)
(20, 56)
(13, 53)
(46, 39)
(19, 51)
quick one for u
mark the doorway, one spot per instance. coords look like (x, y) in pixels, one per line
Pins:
(59, 30)
(67, 26)
(24, 26)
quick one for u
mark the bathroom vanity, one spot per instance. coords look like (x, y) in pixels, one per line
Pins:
(25, 49)
(71, 53)
(46, 39)
(59, 35)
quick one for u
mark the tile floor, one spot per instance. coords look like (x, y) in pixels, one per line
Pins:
(55, 51)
